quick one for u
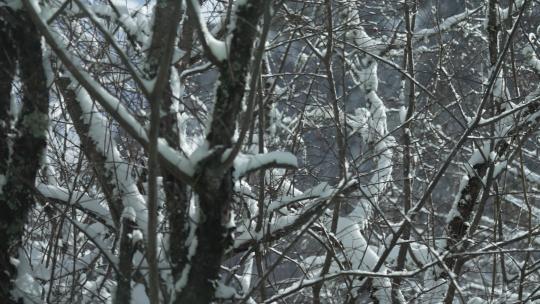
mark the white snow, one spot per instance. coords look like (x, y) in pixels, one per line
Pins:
(362, 256)
(245, 163)
(499, 167)
(25, 286)
(3, 181)
(13, 4)
(216, 46)
(175, 157)
(136, 236)
(129, 214)
(138, 294)
(359, 122)
(86, 202)
(321, 190)
(402, 114)
(247, 274)
(35, 5)
(117, 166)
(533, 61)
(95, 232)
(223, 291)
(446, 24)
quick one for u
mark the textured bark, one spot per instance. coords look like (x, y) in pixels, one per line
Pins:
(233, 74)
(7, 71)
(177, 202)
(29, 142)
(213, 237)
(167, 17)
(177, 209)
(125, 265)
(493, 31)
(458, 225)
(213, 180)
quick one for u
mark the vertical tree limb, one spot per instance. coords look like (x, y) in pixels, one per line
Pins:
(29, 144)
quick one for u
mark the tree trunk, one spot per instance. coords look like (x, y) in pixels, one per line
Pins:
(213, 180)
(20, 38)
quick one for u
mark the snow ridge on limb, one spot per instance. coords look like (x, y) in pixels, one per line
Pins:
(215, 49)
(117, 169)
(114, 173)
(245, 163)
(79, 199)
(446, 24)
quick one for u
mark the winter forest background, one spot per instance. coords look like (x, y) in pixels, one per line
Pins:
(259, 151)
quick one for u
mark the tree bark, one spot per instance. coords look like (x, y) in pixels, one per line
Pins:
(21, 43)
(213, 179)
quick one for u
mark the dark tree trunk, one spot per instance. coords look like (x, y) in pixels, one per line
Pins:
(7, 70)
(20, 43)
(177, 201)
(213, 180)
(125, 265)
